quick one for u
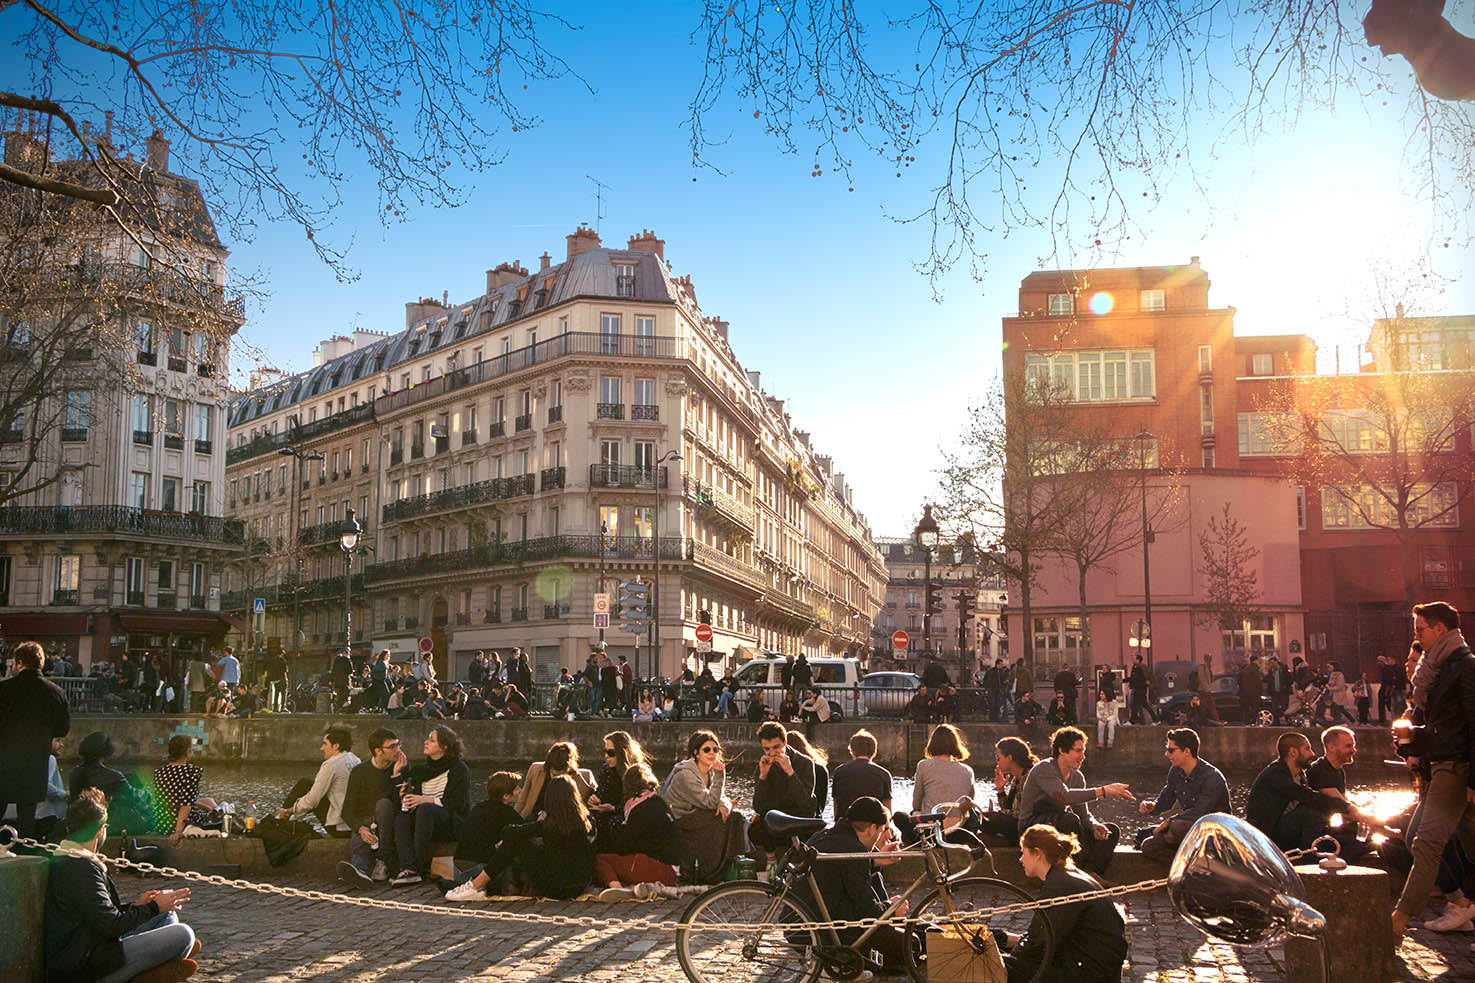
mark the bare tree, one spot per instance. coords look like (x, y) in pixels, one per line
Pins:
(1125, 94)
(1231, 587)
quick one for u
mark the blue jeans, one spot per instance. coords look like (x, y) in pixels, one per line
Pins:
(157, 941)
(724, 703)
(360, 853)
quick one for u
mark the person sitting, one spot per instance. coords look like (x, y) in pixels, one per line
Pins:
(851, 889)
(860, 775)
(176, 791)
(1013, 761)
(517, 704)
(785, 782)
(942, 778)
(94, 750)
(553, 853)
(89, 932)
(562, 759)
(481, 834)
(1028, 712)
(477, 708)
(433, 804)
(369, 808)
(220, 703)
(946, 705)
(798, 742)
(1328, 775)
(920, 708)
(323, 796)
(1059, 713)
(1090, 937)
(1196, 786)
(1055, 794)
(788, 710)
(758, 710)
(621, 753)
(456, 702)
(727, 698)
(643, 850)
(646, 707)
(814, 710)
(1279, 800)
(710, 831)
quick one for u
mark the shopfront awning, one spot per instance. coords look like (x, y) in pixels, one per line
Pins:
(19, 627)
(170, 621)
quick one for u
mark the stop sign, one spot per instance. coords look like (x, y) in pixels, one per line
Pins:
(704, 633)
(900, 639)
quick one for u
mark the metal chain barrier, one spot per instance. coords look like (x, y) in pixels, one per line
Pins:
(590, 921)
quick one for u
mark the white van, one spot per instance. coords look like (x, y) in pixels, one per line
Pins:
(837, 677)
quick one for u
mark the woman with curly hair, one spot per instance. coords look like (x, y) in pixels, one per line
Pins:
(562, 759)
(712, 832)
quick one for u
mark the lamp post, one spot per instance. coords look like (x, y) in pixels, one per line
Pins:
(926, 535)
(297, 457)
(603, 532)
(1147, 537)
(655, 591)
(348, 538)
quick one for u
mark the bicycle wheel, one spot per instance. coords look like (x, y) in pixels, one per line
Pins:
(969, 894)
(762, 953)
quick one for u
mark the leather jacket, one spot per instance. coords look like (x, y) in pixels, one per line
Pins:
(1449, 713)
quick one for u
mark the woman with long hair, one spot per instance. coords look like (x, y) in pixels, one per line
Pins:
(562, 759)
(433, 804)
(712, 832)
(621, 753)
(554, 853)
(644, 853)
(1090, 936)
(941, 778)
(800, 743)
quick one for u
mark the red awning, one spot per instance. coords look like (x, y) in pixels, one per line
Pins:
(169, 621)
(234, 622)
(15, 627)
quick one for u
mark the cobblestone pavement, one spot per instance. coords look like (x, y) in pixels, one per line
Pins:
(250, 937)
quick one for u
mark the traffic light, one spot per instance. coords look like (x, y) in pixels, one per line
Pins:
(704, 616)
(634, 602)
(934, 599)
(966, 603)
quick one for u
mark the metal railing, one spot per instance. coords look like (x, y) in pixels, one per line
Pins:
(609, 411)
(82, 519)
(718, 501)
(528, 551)
(625, 476)
(551, 478)
(269, 443)
(641, 411)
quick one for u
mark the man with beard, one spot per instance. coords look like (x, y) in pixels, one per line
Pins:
(1283, 806)
(1327, 775)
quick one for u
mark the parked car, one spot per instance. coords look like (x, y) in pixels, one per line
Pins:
(838, 678)
(886, 694)
(1173, 708)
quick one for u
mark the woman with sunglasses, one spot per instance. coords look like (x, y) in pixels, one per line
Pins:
(621, 753)
(711, 831)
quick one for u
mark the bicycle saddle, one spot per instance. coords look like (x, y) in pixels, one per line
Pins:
(782, 824)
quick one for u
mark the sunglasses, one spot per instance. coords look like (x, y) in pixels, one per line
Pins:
(709, 749)
(609, 752)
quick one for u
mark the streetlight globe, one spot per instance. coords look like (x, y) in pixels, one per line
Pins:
(348, 537)
(927, 530)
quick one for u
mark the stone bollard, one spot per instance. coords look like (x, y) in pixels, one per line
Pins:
(23, 897)
(1359, 926)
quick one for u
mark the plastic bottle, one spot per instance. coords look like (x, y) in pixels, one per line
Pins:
(250, 815)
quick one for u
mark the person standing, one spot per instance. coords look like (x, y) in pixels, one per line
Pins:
(1278, 683)
(524, 678)
(1140, 711)
(1251, 688)
(1362, 695)
(1444, 702)
(609, 686)
(276, 682)
(229, 668)
(198, 682)
(627, 682)
(33, 710)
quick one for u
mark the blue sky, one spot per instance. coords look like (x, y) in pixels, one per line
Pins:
(817, 282)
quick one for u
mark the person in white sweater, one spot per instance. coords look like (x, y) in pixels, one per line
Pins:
(324, 795)
(711, 831)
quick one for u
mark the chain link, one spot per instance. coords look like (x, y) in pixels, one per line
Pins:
(588, 921)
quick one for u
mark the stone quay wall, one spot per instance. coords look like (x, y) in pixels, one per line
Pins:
(295, 739)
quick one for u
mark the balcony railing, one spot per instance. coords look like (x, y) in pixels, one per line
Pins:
(523, 422)
(706, 556)
(202, 446)
(442, 444)
(550, 478)
(82, 519)
(491, 616)
(498, 428)
(177, 364)
(463, 617)
(73, 433)
(720, 504)
(65, 597)
(644, 411)
(417, 450)
(396, 455)
(173, 442)
(148, 358)
(519, 614)
(551, 612)
(197, 601)
(270, 443)
(391, 624)
(322, 532)
(609, 411)
(555, 414)
(558, 346)
(529, 551)
(167, 601)
(134, 597)
(491, 490)
(468, 437)
(791, 607)
(624, 476)
(143, 437)
(411, 624)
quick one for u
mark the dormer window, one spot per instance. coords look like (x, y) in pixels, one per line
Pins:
(414, 347)
(1058, 305)
(624, 280)
(1153, 300)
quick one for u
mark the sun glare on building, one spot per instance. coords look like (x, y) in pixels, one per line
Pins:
(1101, 303)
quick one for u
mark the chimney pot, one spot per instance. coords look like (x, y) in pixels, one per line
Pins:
(545, 260)
(583, 240)
(158, 152)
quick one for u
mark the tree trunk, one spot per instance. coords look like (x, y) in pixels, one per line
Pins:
(1024, 595)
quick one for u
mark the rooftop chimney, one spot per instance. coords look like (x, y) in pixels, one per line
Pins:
(719, 326)
(647, 242)
(582, 241)
(544, 261)
(504, 274)
(1398, 310)
(158, 152)
(24, 152)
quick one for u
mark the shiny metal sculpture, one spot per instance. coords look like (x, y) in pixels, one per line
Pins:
(1229, 881)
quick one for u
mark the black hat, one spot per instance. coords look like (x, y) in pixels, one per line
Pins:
(95, 746)
(867, 809)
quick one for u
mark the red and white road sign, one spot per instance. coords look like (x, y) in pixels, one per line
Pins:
(704, 633)
(426, 645)
(900, 639)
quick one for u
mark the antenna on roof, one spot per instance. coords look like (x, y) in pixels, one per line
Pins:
(599, 188)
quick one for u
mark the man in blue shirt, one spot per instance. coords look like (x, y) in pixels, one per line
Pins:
(230, 668)
(1196, 786)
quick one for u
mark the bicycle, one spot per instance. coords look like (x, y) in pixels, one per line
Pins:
(768, 952)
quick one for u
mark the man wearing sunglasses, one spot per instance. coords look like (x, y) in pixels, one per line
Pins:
(369, 809)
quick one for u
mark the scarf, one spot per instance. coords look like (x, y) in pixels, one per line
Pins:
(1429, 664)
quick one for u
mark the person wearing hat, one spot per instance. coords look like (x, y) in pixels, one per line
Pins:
(852, 890)
(96, 748)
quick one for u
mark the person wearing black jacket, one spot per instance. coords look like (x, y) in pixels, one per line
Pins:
(785, 782)
(91, 935)
(1282, 806)
(33, 710)
(555, 851)
(644, 851)
(433, 804)
(370, 807)
(851, 889)
(1443, 698)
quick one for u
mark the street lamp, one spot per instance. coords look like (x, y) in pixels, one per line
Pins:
(603, 532)
(655, 594)
(1147, 537)
(297, 457)
(926, 536)
(348, 538)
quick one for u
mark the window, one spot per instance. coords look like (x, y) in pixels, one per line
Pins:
(200, 497)
(624, 280)
(1206, 407)
(555, 393)
(197, 585)
(609, 453)
(645, 336)
(169, 501)
(644, 524)
(1355, 431)
(1208, 458)
(178, 342)
(1257, 634)
(1094, 375)
(173, 426)
(609, 522)
(166, 575)
(134, 575)
(1205, 359)
(1364, 507)
(645, 392)
(1266, 434)
(1437, 566)
(553, 521)
(138, 490)
(609, 334)
(143, 415)
(645, 455)
(203, 419)
(609, 389)
(1060, 304)
(78, 413)
(1152, 300)
(67, 580)
(1262, 364)
(143, 337)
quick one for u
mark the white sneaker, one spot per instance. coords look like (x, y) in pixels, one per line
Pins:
(380, 874)
(616, 894)
(1456, 918)
(405, 877)
(466, 892)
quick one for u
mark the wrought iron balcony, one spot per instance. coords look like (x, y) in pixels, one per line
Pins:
(555, 414)
(625, 476)
(270, 443)
(167, 601)
(551, 612)
(143, 437)
(645, 411)
(203, 446)
(718, 503)
(396, 455)
(491, 490)
(498, 428)
(148, 358)
(550, 478)
(65, 597)
(791, 607)
(519, 614)
(468, 437)
(73, 433)
(173, 442)
(609, 411)
(523, 422)
(89, 519)
(528, 551)
(134, 597)
(177, 365)
(417, 450)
